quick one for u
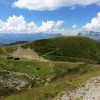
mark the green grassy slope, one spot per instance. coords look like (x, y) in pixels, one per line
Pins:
(28, 67)
(34, 73)
(67, 76)
(67, 48)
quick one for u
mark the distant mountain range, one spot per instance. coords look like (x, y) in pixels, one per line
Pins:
(13, 38)
(6, 39)
(90, 34)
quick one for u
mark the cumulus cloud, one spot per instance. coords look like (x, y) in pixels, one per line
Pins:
(50, 26)
(18, 24)
(42, 5)
(94, 25)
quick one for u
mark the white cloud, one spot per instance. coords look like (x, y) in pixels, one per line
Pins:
(46, 26)
(74, 26)
(42, 5)
(94, 25)
(50, 26)
(18, 24)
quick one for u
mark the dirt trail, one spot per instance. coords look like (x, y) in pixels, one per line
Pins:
(28, 54)
(90, 91)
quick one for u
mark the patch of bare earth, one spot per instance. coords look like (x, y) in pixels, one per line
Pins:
(27, 54)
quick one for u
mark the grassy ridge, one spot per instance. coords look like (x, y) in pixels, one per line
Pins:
(62, 49)
(67, 48)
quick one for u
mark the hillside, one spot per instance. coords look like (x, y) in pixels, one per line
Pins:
(73, 49)
(65, 64)
(67, 48)
(64, 77)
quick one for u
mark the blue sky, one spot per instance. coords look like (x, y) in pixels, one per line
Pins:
(71, 17)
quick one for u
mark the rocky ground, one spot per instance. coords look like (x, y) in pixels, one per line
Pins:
(90, 90)
(18, 80)
(11, 79)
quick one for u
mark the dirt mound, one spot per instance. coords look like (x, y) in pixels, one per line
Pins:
(27, 54)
